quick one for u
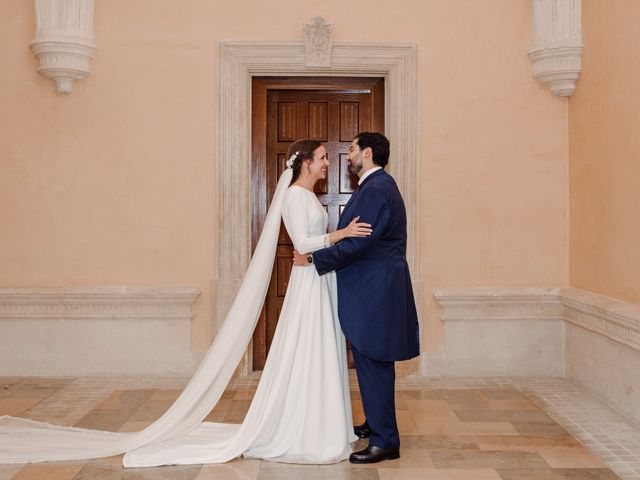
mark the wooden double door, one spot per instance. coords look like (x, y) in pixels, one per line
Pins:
(329, 110)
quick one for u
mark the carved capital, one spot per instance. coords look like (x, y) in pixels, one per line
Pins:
(556, 54)
(64, 40)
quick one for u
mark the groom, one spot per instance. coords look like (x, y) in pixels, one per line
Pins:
(375, 298)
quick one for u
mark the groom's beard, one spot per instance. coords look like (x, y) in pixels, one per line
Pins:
(354, 168)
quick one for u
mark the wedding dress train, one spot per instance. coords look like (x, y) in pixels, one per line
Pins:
(301, 411)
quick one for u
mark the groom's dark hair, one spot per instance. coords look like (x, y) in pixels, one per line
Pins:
(378, 143)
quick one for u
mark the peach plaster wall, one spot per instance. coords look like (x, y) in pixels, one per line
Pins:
(114, 184)
(605, 154)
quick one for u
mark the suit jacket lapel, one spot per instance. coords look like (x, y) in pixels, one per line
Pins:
(347, 208)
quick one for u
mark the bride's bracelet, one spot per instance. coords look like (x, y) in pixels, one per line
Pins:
(327, 241)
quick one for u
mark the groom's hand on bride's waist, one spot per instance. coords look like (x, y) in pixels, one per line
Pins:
(302, 259)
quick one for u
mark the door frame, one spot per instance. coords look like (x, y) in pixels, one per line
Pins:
(238, 63)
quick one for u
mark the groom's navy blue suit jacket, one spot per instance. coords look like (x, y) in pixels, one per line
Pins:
(375, 297)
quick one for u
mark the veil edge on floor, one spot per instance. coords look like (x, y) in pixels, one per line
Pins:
(26, 441)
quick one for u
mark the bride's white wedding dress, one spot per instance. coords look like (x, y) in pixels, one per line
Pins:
(301, 411)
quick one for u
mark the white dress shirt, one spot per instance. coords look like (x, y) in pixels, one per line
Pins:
(367, 173)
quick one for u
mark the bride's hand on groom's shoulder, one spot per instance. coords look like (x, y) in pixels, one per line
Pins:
(356, 228)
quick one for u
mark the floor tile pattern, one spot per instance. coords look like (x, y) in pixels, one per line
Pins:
(451, 428)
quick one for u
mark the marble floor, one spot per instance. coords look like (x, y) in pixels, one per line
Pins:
(476, 429)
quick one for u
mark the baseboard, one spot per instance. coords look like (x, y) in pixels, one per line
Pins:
(500, 332)
(114, 330)
(590, 338)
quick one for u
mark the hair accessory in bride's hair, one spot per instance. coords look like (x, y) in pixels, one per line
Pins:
(292, 159)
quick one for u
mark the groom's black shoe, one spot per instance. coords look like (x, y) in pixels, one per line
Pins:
(373, 454)
(362, 431)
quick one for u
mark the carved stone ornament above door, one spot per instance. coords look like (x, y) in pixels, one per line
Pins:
(318, 42)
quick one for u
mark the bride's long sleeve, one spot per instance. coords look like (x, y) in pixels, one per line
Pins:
(296, 219)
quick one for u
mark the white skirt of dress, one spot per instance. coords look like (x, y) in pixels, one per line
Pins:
(301, 411)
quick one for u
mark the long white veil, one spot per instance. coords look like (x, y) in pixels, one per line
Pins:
(24, 441)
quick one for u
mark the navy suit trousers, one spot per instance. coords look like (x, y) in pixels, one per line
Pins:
(377, 388)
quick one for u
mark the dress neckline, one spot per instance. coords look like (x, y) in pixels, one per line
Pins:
(302, 188)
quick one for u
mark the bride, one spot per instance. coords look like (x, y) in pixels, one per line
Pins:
(301, 411)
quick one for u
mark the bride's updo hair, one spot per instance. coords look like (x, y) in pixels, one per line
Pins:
(305, 149)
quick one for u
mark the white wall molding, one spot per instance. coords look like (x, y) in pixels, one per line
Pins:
(238, 63)
(64, 42)
(500, 332)
(614, 319)
(107, 302)
(592, 339)
(114, 330)
(556, 54)
(602, 348)
(499, 303)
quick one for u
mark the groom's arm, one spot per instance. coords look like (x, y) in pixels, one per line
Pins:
(372, 209)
